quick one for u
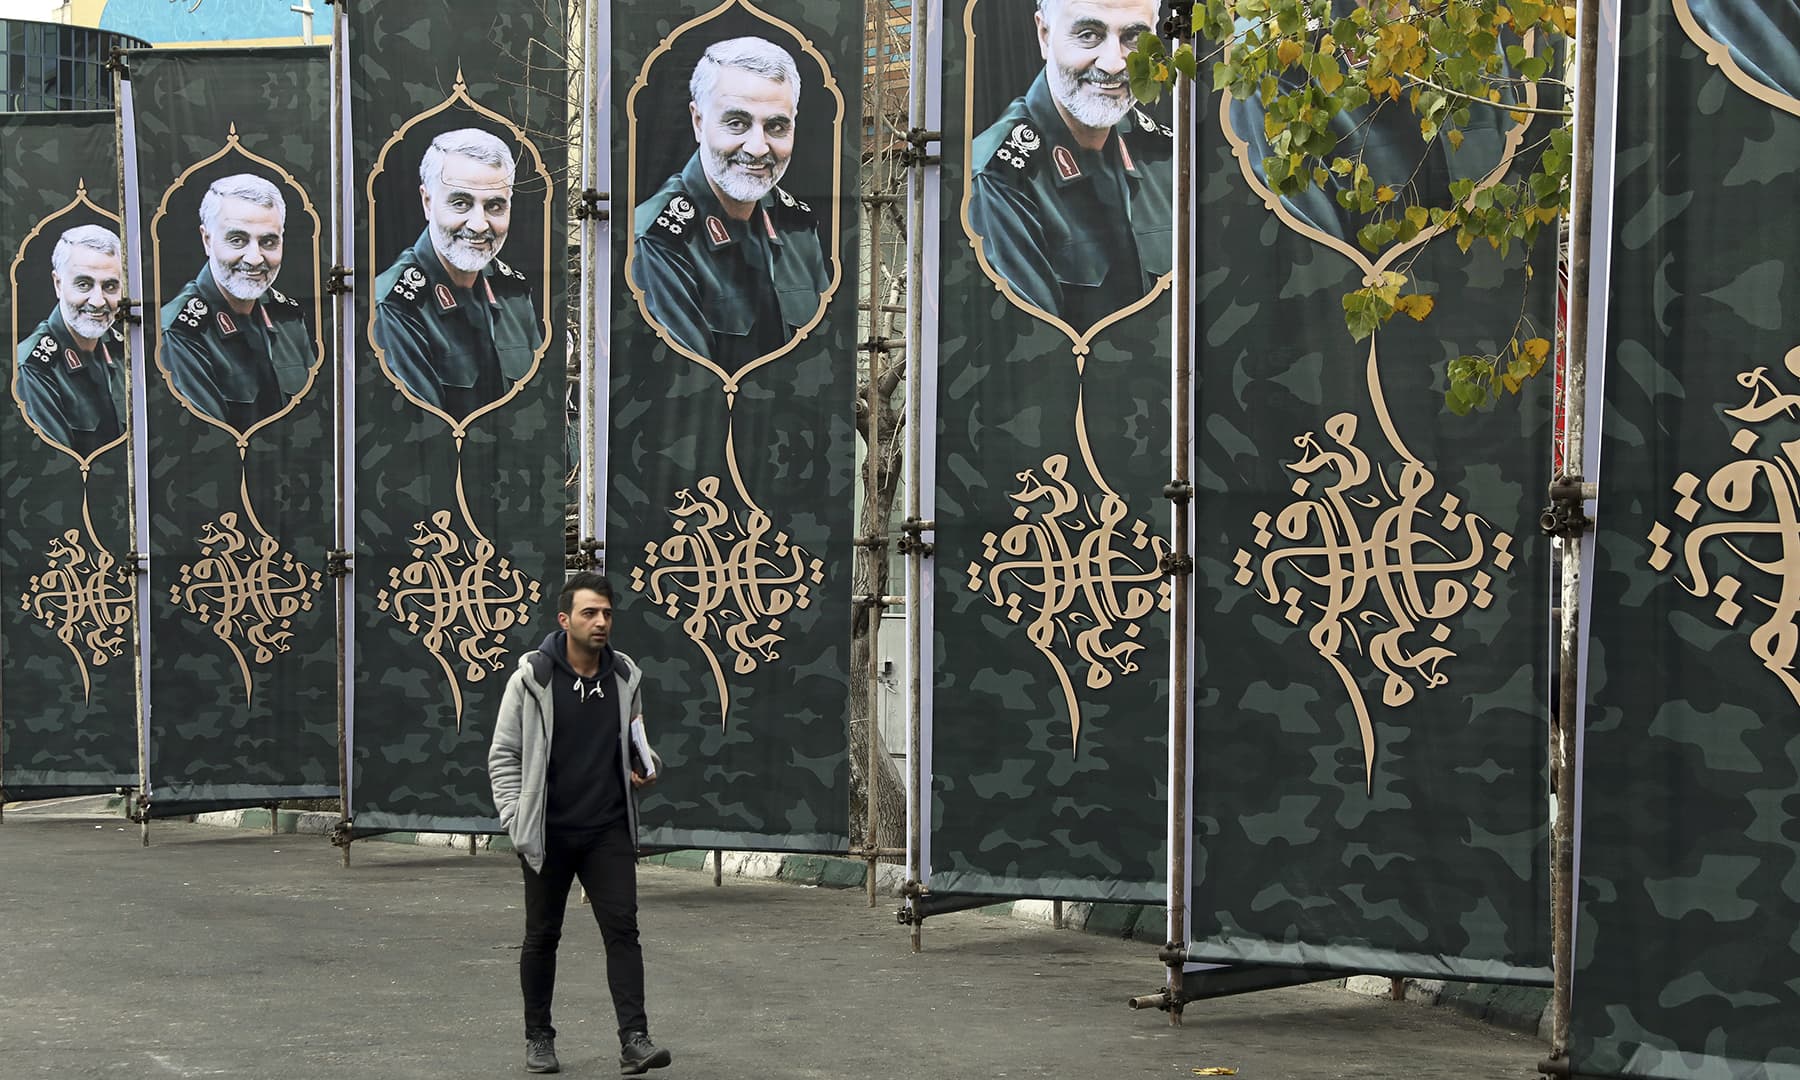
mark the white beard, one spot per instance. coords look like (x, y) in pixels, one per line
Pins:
(736, 185)
(238, 285)
(84, 325)
(1083, 103)
(457, 250)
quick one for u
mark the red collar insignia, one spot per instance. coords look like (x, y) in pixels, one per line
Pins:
(226, 326)
(716, 231)
(1066, 166)
(73, 359)
(445, 300)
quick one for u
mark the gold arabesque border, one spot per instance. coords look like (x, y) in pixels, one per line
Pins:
(1718, 54)
(80, 200)
(732, 380)
(1240, 149)
(1080, 339)
(460, 92)
(232, 145)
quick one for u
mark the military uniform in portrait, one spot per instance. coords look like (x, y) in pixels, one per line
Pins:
(456, 349)
(239, 369)
(1078, 233)
(74, 396)
(730, 291)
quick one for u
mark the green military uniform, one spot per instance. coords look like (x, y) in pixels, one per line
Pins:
(237, 369)
(456, 349)
(1079, 233)
(730, 291)
(75, 397)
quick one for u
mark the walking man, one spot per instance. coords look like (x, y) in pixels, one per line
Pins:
(564, 773)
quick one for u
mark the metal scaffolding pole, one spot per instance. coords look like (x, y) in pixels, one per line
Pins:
(1567, 494)
(917, 123)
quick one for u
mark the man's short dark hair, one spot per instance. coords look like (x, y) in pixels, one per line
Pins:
(586, 579)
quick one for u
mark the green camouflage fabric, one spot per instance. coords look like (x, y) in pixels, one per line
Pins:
(446, 602)
(244, 653)
(68, 708)
(1372, 606)
(1687, 961)
(734, 590)
(1029, 797)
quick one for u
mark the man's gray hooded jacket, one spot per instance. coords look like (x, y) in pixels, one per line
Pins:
(519, 756)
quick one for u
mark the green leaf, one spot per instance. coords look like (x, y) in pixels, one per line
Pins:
(1186, 62)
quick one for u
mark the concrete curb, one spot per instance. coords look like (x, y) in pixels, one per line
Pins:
(1516, 1008)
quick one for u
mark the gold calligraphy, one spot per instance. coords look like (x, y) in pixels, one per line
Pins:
(1375, 561)
(85, 597)
(733, 574)
(460, 600)
(246, 590)
(1759, 493)
(1082, 573)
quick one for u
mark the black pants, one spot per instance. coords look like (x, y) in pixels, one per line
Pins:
(606, 863)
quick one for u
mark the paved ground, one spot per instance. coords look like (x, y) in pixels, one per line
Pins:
(235, 953)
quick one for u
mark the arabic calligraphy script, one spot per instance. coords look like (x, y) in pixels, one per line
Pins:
(1380, 565)
(85, 598)
(729, 576)
(1759, 495)
(246, 590)
(1079, 574)
(460, 600)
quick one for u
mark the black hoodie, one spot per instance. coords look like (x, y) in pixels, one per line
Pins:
(585, 783)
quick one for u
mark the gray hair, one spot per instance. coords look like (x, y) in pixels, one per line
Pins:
(246, 186)
(758, 56)
(92, 237)
(472, 143)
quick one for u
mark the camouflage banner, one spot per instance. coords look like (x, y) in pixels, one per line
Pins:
(1049, 711)
(733, 378)
(233, 194)
(68, 695)
(1687, 961)
(459, 124)
(1372, 593)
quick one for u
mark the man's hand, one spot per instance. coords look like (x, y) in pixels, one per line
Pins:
(639, 782)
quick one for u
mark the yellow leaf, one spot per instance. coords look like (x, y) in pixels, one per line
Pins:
(1384, 194)
(1512, 384)
(1518, 117)
(1287, 52)
(1416, 305)
(1421, 217)
(1455, 137)
(1330, 81)
(1535, 349)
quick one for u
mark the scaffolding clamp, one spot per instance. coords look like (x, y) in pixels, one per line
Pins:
(915, 152)
(131, 311)
(337, 563)
(1565, 517)
(1180, 23)
(589, 205)
(874, 542)
(914, 538)
(138, 560)
(1179, 492)
(341, 835)
(592, 549)
(115, 61)
(337, 280)
(1173, 565)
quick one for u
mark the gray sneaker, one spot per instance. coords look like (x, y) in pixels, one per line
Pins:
(638, 1054)
(540, 1054)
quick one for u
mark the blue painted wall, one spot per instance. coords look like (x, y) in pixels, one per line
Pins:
(160, 21)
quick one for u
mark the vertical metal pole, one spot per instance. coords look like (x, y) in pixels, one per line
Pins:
(344, 307)
(718, 868)
(138, 467)
(1182, 362)
(1563, 738)
(874, 553)
(920, 41)
(593, 260)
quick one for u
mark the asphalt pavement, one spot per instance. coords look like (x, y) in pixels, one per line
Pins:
(218, 952)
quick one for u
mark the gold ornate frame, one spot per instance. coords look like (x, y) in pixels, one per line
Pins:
(1079, 339)
(1718, 54)
(460, 92)
(732, 381)
(80, 200)
(232, 145)
(1372, 268)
